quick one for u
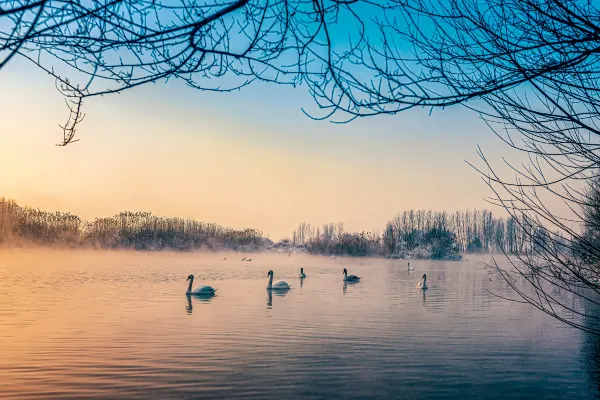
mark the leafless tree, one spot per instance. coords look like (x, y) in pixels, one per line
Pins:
(530, 68)
(98, 47)
(140, 230)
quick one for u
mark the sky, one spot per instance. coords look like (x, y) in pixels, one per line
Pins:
(244, 159)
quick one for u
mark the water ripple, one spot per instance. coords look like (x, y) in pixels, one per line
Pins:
(118, 325)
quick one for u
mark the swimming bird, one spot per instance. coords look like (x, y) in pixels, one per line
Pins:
(409, 267)
(422, 283)
(350, 278)
(201, 290)
(244, 259)
(281, 285)
(302, 275)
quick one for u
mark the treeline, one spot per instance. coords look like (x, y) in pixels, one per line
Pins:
(411, 234)
(141, 231)
(425, 234)
(476, 231)
(331, 239)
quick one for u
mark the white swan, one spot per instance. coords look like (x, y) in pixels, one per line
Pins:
(409, 267)
(199, 290)
(350, 278)
(423, 283)
(302, 275)
(281, 285)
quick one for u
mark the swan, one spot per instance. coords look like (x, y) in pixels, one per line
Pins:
(350, 278)
(409, 267)
(302, 275)
(281, 285)
(423, 283)
(199, 290)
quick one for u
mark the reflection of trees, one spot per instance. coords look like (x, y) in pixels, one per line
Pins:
(590, 349)
(591, 359)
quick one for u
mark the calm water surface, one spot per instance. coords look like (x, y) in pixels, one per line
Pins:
(93, 324)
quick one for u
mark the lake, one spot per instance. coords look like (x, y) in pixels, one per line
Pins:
(110, 324)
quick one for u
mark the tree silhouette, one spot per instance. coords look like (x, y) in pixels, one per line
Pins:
(530, 69)
(98, 47)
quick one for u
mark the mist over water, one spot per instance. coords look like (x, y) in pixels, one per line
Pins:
(100, 324)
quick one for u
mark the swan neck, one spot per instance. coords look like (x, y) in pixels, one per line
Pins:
(346, 274)
(270, 281)
(424, 279)
(190, 286)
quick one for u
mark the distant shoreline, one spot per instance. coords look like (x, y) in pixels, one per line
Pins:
(239, 252)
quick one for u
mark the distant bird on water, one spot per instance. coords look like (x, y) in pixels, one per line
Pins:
(409, 267)
(302, 274)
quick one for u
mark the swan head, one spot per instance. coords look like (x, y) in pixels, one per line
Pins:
(424, 276)
(301, 270)
(190, 277)
(345, 271)
(270, 273)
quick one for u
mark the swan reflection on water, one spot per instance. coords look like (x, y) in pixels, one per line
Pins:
(345, 287)
(203, 299)
(270, 297)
